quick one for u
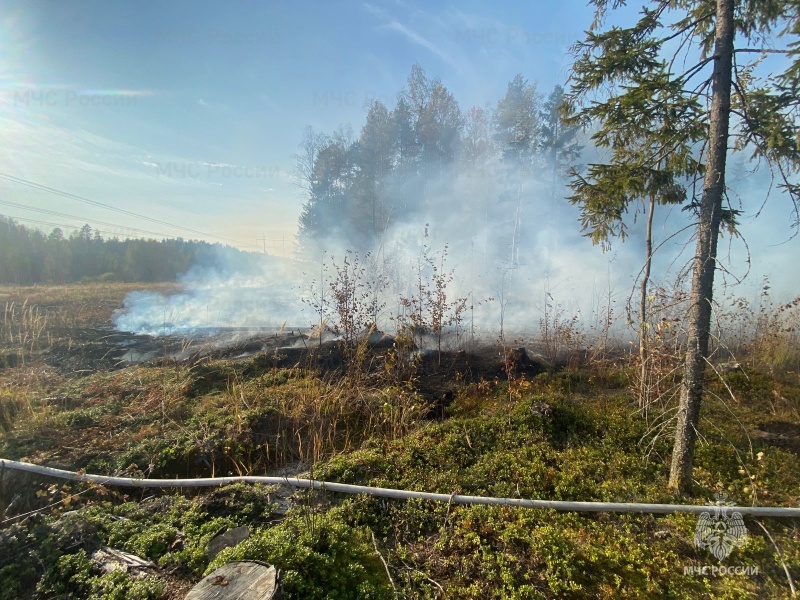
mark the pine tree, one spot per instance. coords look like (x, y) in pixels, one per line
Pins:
(376, 151)
(517, 131)
(560, 149)
(665, 96)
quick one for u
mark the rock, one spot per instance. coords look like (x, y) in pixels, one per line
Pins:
(782, 434)
(71, 531)
(227, 539)
(239, 580)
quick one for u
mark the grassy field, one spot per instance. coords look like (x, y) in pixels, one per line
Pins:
(365, 418)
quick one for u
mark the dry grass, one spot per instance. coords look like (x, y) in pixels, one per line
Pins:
(78, 304)
(36, 317)
(775, 342)
(28, 394)
(201, 419)
(248, 415)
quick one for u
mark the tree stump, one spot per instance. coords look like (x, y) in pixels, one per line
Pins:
(239, 580)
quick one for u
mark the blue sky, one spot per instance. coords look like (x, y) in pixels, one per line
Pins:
(190, 112)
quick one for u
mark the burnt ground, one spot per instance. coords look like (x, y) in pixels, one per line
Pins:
(434, 374)
(105, 349)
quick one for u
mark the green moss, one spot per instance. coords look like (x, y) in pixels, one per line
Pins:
(591, 445)
(320, 557)
(174, 531)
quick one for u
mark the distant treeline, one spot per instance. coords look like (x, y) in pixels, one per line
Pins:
(29, 256)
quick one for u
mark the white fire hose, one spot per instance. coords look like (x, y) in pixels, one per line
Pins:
(621, 507)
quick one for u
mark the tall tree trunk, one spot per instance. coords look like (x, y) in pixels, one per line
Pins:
(551, 225)
(517, 230)
(699, 324)
(644, 351)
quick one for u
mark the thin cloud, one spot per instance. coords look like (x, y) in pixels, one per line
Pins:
(419, 40)
(378, 12)
(411, 35)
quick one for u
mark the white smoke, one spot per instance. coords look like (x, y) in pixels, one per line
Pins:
(513, 239)
(232, 294)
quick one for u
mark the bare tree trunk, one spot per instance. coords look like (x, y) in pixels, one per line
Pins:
(551, 220)
(375, 207)
(699, 324)
(517, 230)
(644, 351)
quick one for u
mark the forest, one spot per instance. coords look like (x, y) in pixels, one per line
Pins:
(358, 187)
(31, 257)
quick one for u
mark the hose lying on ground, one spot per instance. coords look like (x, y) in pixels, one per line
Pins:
(623, 507)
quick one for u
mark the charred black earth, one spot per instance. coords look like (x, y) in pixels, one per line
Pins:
(433, 373)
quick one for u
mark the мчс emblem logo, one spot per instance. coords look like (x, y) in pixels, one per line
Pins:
(719, 531)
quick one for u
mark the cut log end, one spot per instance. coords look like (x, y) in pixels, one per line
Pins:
(239, 580)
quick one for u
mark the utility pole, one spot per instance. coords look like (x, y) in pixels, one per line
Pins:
(274, 241)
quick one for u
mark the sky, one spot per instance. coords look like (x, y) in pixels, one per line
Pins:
(192, 110)
(188, 113)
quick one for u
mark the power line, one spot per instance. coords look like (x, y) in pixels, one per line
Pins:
(83, 219)
(76, 227)
(41, 187)
(273, 242)
(61, 225)
(57, 192)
